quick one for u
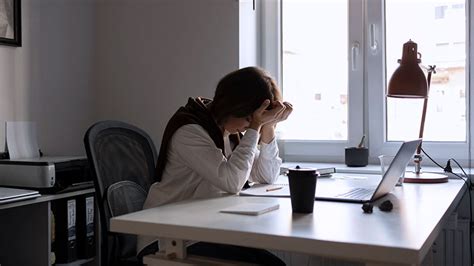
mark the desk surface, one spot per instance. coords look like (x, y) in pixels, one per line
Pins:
(339, 230)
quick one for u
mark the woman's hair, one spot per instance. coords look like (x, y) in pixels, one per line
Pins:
(241, 92)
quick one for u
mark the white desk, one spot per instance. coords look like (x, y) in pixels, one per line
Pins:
(337, 230)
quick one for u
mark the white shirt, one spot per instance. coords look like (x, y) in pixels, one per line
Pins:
(197, 169)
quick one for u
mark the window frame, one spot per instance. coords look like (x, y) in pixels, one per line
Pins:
(367, 102)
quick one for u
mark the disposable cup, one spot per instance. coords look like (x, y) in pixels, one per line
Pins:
(302, 189)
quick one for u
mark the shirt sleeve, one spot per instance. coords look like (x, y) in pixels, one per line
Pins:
(199, 152)
(266, 167)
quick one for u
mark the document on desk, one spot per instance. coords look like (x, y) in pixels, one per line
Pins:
(21, 140)
(279, 189)
(266, 190)
(251, 208)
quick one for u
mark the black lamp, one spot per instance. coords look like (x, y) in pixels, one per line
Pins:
(409, 81)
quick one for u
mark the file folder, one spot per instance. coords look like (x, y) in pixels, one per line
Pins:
(85, 227)
(65, 241)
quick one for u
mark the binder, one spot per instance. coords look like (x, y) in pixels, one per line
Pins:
(64, 245)
(85, 227)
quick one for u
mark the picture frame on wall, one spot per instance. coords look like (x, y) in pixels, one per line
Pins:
(10, 22)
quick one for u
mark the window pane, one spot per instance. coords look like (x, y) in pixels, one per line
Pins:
(315, 68)
(439, 29)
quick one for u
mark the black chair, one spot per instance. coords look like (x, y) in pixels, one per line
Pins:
(122, 158)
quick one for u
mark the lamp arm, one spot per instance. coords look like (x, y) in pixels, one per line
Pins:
(422, 125)
(431, 69)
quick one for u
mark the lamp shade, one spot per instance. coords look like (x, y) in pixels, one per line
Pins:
(408, 80)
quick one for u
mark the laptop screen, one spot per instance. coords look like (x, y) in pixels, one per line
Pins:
(396, 168)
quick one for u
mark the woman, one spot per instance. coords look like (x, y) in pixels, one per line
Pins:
(203, 153)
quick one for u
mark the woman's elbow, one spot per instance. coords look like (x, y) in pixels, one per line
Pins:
(273, 178)
(234, 190)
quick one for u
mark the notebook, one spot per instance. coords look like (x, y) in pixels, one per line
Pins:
(349, 194)
(251, 208)
(15, 194)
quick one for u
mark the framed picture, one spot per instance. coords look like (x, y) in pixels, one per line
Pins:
(10, 22)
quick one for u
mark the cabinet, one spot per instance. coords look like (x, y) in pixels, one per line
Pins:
(25, 230)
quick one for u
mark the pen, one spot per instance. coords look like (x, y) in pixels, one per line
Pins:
(273, 189)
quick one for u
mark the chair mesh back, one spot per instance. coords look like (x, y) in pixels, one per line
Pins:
(123, 156)
(125, 197)
(119, 152)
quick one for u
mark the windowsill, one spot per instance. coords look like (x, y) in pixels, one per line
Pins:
(342, 168)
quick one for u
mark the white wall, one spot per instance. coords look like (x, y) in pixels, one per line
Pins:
(50, 78)
(154, 54)
(130, 60)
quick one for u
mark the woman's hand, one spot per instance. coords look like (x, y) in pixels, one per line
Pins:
(288, 108)
(268, 130)
(262, 116)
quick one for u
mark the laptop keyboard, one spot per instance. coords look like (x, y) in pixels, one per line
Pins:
(357, 193)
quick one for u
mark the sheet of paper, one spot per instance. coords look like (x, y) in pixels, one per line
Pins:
(265, 190)
(21, 139)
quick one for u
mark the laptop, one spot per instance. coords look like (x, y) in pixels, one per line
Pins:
(387, 183)
(15, 194)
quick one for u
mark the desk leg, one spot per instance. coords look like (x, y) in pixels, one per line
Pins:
(175, 255)
(173, 252)
(174, 249)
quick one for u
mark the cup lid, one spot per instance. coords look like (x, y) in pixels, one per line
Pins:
(303, 170)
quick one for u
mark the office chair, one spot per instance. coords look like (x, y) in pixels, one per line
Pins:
(122, 158)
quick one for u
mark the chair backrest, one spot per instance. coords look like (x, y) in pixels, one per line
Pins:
(124, 197)
(122, 158)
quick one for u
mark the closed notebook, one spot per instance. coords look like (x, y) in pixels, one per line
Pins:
(251, 208)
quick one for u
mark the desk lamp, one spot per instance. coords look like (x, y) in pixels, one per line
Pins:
(409, 81)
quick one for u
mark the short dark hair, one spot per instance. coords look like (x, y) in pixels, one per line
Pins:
(241, 92)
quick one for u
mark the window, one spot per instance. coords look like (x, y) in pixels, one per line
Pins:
(314, 66)
(446, 108)
(334, 62)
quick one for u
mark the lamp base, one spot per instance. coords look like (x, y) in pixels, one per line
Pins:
(412, 177)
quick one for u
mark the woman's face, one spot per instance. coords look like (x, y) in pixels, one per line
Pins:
(237, 124)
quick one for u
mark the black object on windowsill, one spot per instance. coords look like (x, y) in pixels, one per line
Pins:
(357, 157)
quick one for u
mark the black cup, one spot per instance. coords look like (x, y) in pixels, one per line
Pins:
(302, 189)
(356, 156)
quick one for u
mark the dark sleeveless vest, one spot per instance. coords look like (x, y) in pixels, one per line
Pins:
(194, 112)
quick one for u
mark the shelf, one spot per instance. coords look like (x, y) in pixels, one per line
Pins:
(45, 198)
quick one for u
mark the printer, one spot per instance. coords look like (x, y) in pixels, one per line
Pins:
(46, 174)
